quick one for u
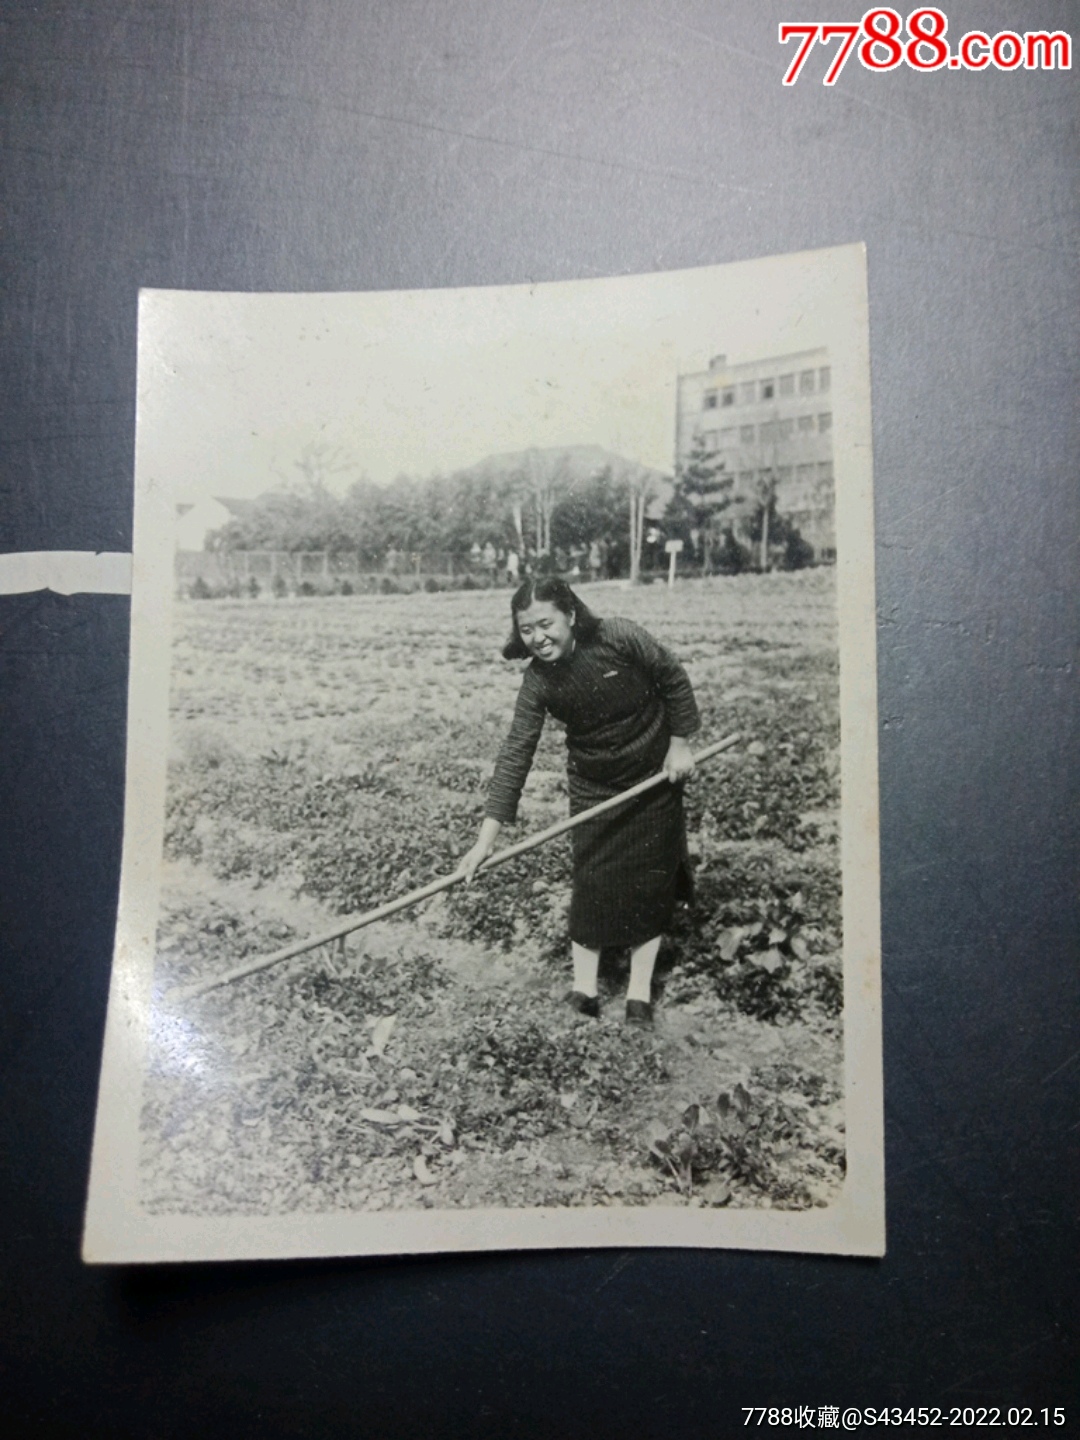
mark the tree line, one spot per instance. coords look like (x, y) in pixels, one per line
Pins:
(548, 507)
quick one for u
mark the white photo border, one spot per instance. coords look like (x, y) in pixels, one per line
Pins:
(824, 293)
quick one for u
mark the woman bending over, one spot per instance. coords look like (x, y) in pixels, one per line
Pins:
(628, 709)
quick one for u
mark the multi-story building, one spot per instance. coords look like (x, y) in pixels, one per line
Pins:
(770, 422)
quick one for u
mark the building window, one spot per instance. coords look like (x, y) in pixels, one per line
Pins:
(746, 434)
(824, 422)
(768, 389)
(767, 431)
(727, 395)
(806, 424)
(748, 391)
(786, 429)
(806, 382)
(787, 384)
(824, 471)
(710, 399)
(727, 435)
(824, 378)
(804, 472)
(783, 474)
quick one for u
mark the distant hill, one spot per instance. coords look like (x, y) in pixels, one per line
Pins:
(577, 462)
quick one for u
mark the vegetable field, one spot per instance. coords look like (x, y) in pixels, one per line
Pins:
(330, 753)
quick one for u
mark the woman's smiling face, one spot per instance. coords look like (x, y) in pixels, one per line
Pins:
(545, 631)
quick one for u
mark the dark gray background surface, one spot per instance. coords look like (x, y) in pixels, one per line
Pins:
(337, 145)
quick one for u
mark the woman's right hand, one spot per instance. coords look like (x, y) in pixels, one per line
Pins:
(485, 845)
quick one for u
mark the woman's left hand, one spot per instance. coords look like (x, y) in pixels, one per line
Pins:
(679, 761)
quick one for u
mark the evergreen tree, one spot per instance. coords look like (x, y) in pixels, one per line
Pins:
(703, 492)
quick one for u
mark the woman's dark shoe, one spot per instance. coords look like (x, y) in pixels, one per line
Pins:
(638, 1012)
(585, 1004)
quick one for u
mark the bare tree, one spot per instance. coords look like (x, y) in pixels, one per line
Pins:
(515, 511)
(639, 485)
(765, 494)
(540, 486)
(318, 462)
(766, 478)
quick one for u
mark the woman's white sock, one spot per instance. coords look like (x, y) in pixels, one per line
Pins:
(642, 961)
(586, 969)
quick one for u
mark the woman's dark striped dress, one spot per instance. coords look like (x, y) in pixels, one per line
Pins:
(621, 696)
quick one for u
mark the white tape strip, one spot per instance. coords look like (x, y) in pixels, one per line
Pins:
(68, 572)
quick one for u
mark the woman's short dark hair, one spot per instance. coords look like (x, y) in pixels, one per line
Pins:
(555, 592)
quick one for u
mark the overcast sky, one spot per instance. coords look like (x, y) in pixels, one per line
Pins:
(232, 387)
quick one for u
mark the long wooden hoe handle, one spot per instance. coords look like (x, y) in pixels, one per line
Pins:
(403, 902)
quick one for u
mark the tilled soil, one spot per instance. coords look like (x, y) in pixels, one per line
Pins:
(434, 1062)
(275, 1094)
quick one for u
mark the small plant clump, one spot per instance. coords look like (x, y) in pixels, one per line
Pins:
(515, 1076)
(738, 1142)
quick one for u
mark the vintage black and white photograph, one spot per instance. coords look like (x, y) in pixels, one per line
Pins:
(500, 860)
